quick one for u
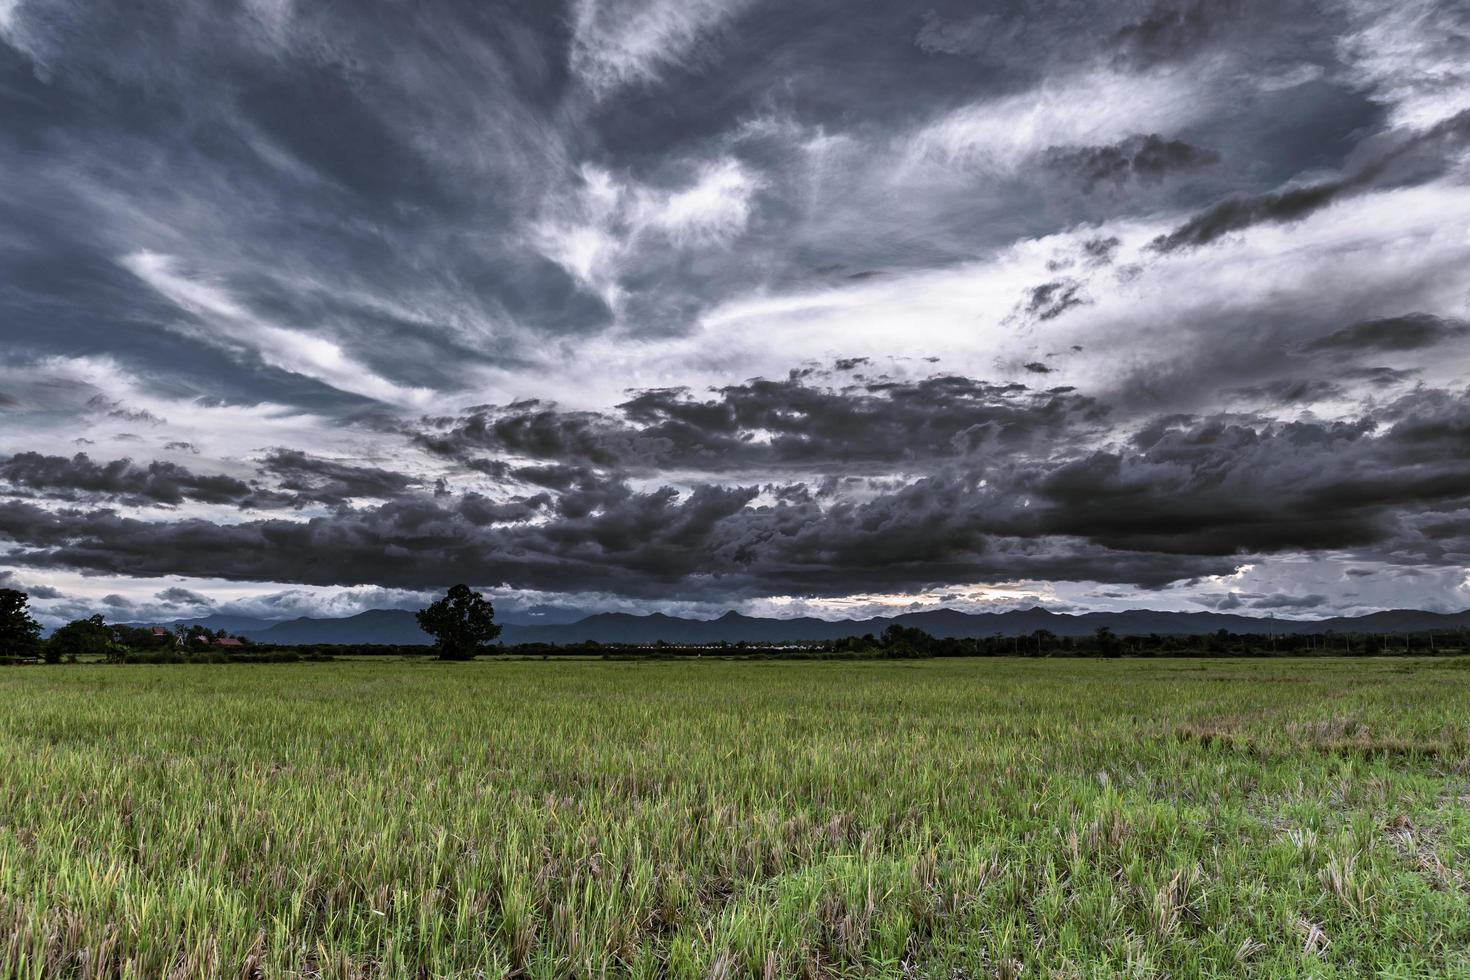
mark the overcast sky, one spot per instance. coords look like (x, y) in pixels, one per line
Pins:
(790, 307)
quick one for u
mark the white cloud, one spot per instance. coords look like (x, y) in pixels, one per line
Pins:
(578, 232)
(1000, 135)
(599, 230)
(975, 598)
(67, 404)
(1289, 79)
(714, 208)
(228, 324)
(274, 16)
(1148, 318)
(82, 594)
(21, 36)
(1412, 54)
(1372, 586)
(621, 42)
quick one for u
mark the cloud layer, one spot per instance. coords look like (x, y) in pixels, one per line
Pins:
(641, 304)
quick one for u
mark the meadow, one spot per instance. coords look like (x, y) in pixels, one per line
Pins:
(932, 818)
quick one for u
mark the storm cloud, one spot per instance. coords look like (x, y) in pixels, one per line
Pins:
(1148, 159)
(1400, 333)
(156, 482)
(1182, 497)
(734, 301)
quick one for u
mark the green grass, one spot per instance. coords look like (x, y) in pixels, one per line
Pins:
(938, 818)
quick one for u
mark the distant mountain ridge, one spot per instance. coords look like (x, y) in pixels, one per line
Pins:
(234, 625)
(393, 626)
(398, 626)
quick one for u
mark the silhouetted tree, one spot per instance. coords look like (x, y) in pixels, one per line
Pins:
(20, 635)
(80, 637)
(899, 642)
(1107, 643)
(462, 624)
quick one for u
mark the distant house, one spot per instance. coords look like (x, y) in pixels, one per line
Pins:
(205, 640)
(162, 635)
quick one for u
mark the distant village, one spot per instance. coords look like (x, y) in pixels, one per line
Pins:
(22, 639)
(194, 637)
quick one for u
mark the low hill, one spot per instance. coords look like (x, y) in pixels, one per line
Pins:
(399, 627)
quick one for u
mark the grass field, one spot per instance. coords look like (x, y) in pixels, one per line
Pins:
(933, 818)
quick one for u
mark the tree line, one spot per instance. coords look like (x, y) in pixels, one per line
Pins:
(94, 638)
(463, 625)
(899, 642)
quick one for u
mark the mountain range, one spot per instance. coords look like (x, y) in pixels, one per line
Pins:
(398, 626)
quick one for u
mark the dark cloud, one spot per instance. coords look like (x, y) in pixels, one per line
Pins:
(298, 479)
(1391, 162)
(1148, 159)
(1290, 391)
(1169, 30)
(1230, 485)
(801, 424)
(554, 476)
(1282, 600)
(1172, 31)
(481, 511)
(156, 483)
(532, 429)
(1100, 250)
(1184, 497)
(1380, 377)
(1134, 35)
(314, 480)
(1399, 333)
(1051, 299)
(794, 423)
(175, 596)
(8, 580)
(1243, 212)
(117, 411)
(713, 541)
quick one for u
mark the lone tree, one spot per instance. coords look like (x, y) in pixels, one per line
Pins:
(462, 624)
(20, 635)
